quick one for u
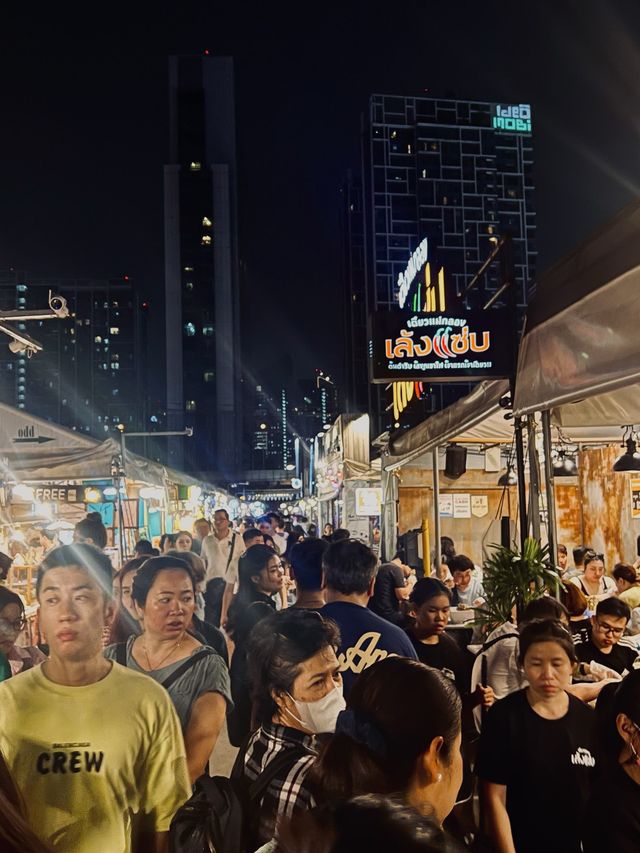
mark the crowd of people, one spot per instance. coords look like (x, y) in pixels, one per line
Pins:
(363, 721)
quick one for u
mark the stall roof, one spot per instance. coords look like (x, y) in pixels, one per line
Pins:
(33, 449)
(478, 417)
(579, 356)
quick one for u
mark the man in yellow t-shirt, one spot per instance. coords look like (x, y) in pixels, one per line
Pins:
(95, 749)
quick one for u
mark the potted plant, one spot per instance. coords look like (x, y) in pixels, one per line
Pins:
(512, 579)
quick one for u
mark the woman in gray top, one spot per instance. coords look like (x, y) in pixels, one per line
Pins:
(195, 676)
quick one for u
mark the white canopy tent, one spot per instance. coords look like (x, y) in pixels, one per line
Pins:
(580, 356)
(33, 449)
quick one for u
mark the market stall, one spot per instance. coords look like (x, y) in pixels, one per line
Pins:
(579, 366)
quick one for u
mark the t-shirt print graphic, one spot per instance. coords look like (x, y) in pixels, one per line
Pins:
(363, 654)
(69, 758)
(583, 758)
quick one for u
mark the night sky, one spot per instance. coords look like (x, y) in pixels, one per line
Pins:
(84, 132)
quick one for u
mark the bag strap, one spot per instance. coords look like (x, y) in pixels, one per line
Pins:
(121, 653)
(185, 666)
(232, 548)
(495, 640)
(286, 758)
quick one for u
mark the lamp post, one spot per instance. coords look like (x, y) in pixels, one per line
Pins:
(188, 432)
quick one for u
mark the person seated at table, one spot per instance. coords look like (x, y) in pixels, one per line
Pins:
(628, 584)
(12, 623)
(575, 601)
(606, 646)
(467, 589)
(595, 584)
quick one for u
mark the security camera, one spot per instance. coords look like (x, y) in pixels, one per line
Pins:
(58, 305)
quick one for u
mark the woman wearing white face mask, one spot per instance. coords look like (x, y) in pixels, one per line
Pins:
(297, 694)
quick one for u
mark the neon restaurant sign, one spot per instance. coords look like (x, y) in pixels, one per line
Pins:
(457, 347)
(515, 118)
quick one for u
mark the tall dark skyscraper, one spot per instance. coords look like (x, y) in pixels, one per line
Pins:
(201, 266)
(455, 174)
(91, 374)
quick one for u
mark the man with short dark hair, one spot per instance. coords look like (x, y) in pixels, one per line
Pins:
(95, 748)
(252, 536)
(467, 589)
(606, 646)
(201, 529)
(578, 562)
(390, 589)
(306, 570)
(220, 551)
(349, 573)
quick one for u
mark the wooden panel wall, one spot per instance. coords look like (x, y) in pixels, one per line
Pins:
(606, 506)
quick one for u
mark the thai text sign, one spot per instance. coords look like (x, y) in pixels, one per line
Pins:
(449, 347)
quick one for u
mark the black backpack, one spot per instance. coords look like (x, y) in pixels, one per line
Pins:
(220, 816)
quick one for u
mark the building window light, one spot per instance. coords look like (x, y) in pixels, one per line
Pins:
(97, 339)
(191, 405)
(195, 166)
(188, 269)
(114, 330)
(188, 285)
(115, 365)
(207, 331)
(189, 330)
(205, 240)
(21, 288)
(209, 376)
(206, 222)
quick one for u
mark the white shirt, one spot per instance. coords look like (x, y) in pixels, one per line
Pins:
(216, 552)
(280, 540)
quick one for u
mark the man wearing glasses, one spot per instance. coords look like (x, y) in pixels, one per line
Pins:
(606, 646)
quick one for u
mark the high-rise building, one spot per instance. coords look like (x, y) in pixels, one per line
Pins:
(91, 374)
(456, 174)
(201, 266)
(352, 253)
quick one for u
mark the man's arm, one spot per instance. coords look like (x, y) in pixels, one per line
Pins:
(205, 723)
(497, 823)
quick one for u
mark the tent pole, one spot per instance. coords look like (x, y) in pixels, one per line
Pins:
(522, 492)
(534, 478)
(552, 531)
(436, 511)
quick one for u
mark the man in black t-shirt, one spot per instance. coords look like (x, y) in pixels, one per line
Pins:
(604, 646)
(389, 590)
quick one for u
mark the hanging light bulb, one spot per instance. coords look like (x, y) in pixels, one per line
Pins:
(509, 478)
(630, 460)
(565, 465)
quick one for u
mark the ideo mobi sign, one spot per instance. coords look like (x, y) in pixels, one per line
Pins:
(455, 347)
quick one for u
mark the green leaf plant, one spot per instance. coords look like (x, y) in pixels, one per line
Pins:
(511, 579)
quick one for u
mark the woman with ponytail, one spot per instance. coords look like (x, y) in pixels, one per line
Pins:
(400, 734)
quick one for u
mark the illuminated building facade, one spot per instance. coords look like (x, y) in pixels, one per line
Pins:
(442, 178)
(201, 266)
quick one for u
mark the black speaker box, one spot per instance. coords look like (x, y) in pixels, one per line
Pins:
(455, 461)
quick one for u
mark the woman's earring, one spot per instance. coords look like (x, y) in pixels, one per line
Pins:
(439, 777)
